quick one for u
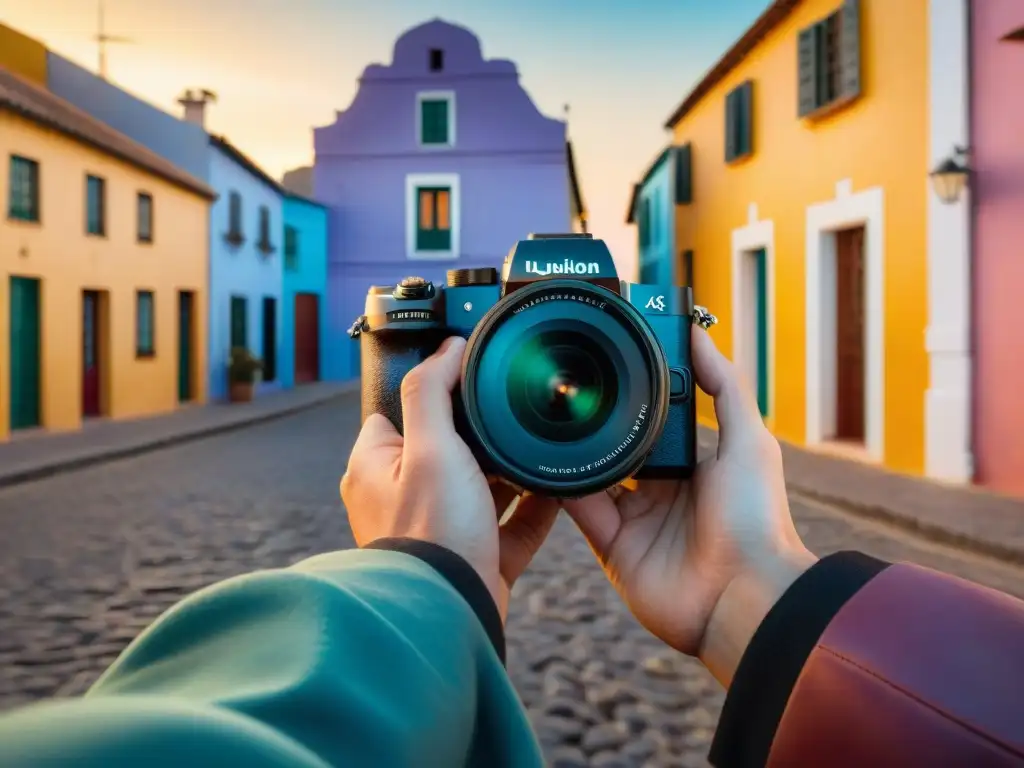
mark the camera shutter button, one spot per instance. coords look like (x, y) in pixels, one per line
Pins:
(679, 385)
(414, 288)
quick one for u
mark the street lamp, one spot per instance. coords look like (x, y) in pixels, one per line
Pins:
(950, 177)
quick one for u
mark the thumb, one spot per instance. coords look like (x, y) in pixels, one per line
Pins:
(378, 444)
(427, 394)
(524, 533)
(739, 419)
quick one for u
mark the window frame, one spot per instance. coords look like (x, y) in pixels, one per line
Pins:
(142, 351)
(140, 236)
(91, 181)
(413, 183)
(34, 214)
(739, 122)
(436, 96)
(236, 224)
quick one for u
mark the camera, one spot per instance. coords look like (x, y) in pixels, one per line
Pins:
(572, 380)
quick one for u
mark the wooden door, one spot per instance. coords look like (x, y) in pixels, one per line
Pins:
(761, 321)
(25, 353)
(90, 353)
(307, 337)
(184, 346)
(850, 334)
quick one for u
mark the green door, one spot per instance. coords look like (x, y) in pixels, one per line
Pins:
(184, 346)
(239, 324)
(24, 352)
(761, 292)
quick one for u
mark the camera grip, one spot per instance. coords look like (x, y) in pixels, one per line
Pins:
(386, 356)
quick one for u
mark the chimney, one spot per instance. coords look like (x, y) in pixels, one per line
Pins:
(195, 103)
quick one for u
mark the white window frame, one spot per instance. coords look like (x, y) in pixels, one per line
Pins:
(413, 182)
(447, 96)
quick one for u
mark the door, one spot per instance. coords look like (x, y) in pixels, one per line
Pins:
(25, 352)
(185, 300)
(850, 334)
(307, 337)
(761, 327)
(269, 338)
(90, 353)
(239, 323)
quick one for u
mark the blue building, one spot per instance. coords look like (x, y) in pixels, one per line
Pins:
(652, 207)
(246, 221)
(305, 285)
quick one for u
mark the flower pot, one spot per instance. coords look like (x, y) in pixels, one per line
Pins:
(241, 391)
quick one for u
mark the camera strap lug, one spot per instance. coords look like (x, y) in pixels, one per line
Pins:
(703, 318)
(358, 327)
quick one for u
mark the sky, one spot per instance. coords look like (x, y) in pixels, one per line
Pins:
(281, 67)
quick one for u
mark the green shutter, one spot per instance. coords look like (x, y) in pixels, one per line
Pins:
(746, 118)
(807, 72)
(239, 327)
(762, 330)
(849, 49)
(144, 323)
(434, 121)
(429, 235)
(684, 174)
(730, 127)
(24, 352)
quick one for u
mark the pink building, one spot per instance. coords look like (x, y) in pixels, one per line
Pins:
(997, 195)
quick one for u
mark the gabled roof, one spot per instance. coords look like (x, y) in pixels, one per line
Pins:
(38, 104)
(243, 160)
(579, 208)
(773, 15)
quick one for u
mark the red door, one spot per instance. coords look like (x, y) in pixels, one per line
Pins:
(90, 354)
(307, 338)
(850, 335)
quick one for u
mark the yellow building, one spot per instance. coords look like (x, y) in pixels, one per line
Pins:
(813, 228)
(103, 268)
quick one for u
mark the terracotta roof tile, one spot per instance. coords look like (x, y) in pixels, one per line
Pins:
(40, 105)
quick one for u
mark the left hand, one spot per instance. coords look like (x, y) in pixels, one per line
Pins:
(428, 486)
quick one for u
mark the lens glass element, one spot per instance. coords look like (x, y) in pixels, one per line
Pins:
(561, 386)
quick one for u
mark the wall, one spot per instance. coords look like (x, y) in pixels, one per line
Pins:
(874, 142)
(58, 252)
(22, 55)
(310, 276)
(242, 270)
(657, 188)
(184, 144)
(997, 128)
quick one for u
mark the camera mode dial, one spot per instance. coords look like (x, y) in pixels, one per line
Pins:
(414, 288)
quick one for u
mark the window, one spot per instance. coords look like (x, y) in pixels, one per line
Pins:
(828, 60)
(239, 323)
(145, 218)
(684, 174)
(644, 222)
(433, 219)
(436, 59)
(95, 206)
(264, 244)
(739, 123)
(291, 248)
(436, 121)
(269, 338)
(144, 324)
(235, 234)
(24, 189)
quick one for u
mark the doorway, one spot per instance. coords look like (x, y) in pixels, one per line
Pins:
(850, 336)
(754, 322)
(25, 363)
(185, 345)
(92, 354)
(269, 338)
(307, 338)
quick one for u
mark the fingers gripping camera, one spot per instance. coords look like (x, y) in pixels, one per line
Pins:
(572, 381)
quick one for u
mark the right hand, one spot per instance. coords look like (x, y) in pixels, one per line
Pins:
(700, 562)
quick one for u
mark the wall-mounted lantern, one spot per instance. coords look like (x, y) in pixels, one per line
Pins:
(950, 177)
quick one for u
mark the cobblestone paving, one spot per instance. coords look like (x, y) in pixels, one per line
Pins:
(88, 559)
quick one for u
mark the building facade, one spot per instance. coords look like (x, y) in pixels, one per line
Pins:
(997, 192)
(246, 274)
(103, 255)
(304, 258)
(652, 209)
(441, 162)
(816, 237)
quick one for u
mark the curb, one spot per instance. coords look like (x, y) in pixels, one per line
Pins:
(61, 466)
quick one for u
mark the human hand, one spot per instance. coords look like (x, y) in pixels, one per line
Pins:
(701, 562)
(428, 486)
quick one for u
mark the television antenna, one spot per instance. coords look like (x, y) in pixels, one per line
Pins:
(102, 39)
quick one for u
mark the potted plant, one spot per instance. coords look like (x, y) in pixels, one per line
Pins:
(242, 372)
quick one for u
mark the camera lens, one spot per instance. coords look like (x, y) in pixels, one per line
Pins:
(561, 386)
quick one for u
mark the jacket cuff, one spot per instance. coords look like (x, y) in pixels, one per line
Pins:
(777, 653)
(461, 575)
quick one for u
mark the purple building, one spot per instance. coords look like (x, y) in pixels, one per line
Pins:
(442, 161)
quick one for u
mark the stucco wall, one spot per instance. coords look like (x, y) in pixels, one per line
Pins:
(309, 276)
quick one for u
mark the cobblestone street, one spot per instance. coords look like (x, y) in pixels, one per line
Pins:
(88, 558)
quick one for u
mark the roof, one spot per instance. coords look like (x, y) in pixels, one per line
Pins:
(38, 104)
(243, 160)
(579, 206)
(773, 15)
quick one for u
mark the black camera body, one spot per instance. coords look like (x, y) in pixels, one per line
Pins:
(573, 380)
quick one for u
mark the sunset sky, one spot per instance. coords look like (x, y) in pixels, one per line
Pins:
(280, 67)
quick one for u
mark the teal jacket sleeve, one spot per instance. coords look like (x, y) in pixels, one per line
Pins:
(357, 658)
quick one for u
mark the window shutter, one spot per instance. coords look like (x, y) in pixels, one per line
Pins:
(684, 174)
(807, 72)
(746, 110)
(849, 49)
(730, 126)
(688, 267)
